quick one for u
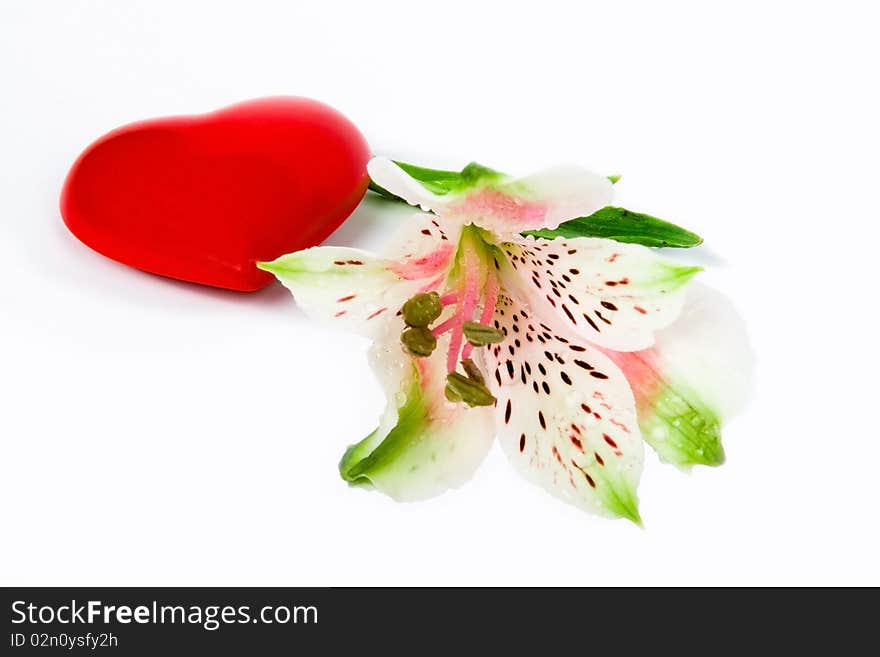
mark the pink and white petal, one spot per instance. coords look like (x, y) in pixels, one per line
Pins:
(387, 174)
(424, 445)
(565, 414)
(359, 291)
(345, 287)
(697, 376)
(423, 247)
(501, 204)
(612, 294)
(543, 200)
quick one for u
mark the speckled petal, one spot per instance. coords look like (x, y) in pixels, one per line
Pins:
(565, 414)
(613, 295)
(360, 291)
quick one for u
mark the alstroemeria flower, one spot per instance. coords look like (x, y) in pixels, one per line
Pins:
(529, 340)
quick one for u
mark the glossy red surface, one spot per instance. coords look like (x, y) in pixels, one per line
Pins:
(202, 198)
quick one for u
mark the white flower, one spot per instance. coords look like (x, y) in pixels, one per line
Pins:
(576, 319)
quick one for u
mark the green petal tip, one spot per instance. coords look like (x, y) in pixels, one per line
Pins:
(628, 508)
(620, 499)
(676, 275)
(688, 272)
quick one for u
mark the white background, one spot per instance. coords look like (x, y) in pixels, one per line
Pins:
(156, 432)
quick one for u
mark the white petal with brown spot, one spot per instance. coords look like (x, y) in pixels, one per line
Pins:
(565, 414)
(612, 294)
(359, 291)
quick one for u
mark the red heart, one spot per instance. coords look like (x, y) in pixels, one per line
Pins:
(202, 198)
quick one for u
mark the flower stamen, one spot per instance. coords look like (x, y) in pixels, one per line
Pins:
(418, 342)
(473, 372)
(468, 304)
(489, 303)
(422, 309)
(479, 335)
(442, 327)
(471, 392)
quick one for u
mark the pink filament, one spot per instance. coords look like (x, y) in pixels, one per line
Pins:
(492, 289)
(468, 305)
(440, 329)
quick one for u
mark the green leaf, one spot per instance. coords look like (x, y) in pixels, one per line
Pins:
(623, 226)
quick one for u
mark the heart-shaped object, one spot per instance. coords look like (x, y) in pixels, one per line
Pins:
(203, 198)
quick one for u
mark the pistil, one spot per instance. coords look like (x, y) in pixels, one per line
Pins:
(471, 276)
(489, 302)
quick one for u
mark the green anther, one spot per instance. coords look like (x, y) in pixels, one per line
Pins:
(419, 342)
(422, 309)
(469, 391)
(480, 335)
(473, 372)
